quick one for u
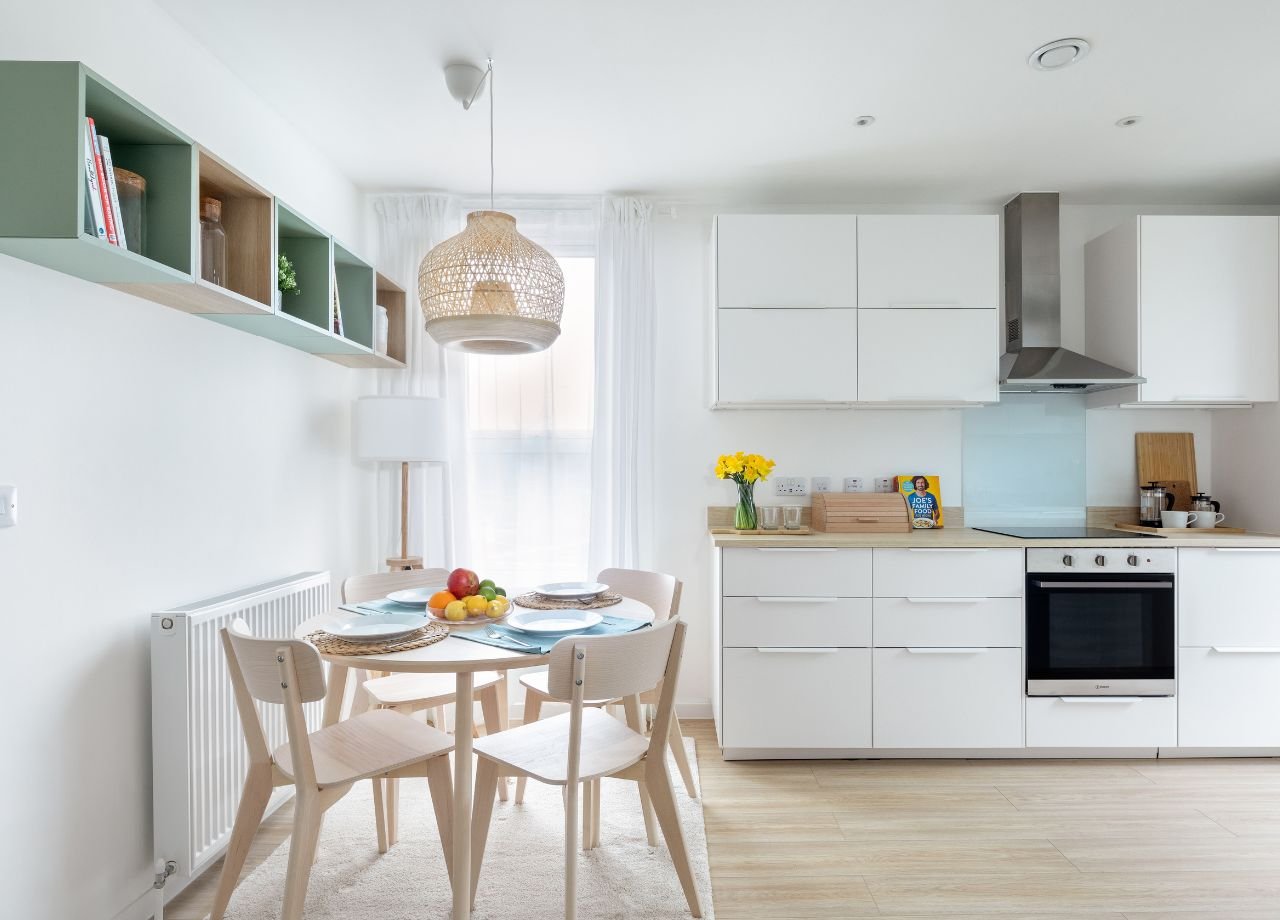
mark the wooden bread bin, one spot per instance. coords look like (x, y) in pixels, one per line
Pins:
(860, 512)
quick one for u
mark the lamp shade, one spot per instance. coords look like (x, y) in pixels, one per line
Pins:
(401, 428)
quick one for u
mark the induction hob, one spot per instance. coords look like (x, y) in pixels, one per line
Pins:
(1064, 533)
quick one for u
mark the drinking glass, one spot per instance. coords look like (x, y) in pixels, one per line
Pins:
(770, 517)
(791, 517)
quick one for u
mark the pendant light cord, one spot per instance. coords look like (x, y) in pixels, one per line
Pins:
(490, 72)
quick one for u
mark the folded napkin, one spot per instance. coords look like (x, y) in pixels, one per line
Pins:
(609, 626)
(382, 605)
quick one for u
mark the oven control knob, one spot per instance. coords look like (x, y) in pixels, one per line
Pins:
(1099, 560)
(1132, 560)
(1068, 561)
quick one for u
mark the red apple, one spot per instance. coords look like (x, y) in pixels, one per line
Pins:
(463, 583)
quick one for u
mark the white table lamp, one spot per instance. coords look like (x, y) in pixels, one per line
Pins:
(401, 429)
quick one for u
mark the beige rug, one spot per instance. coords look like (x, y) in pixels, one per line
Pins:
(523, 874)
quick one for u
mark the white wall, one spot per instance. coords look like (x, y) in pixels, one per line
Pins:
(160, 458)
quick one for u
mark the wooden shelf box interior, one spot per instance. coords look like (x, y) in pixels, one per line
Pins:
(390, 296)
(43, 219)
(246, 221)
(860, 512)
(310, 250)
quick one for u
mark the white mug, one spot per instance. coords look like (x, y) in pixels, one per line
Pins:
(1178, 519)
(1209, 518)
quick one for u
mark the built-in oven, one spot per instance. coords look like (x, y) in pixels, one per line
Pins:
(1100, 622)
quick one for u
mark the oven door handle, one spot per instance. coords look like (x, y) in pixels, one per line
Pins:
(1113, 585)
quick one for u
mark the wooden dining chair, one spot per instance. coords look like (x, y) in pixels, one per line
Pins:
(662, 594)
(410, 693)
(321, 765)
(585, 745)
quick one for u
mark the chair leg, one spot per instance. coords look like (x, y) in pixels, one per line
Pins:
(253, 805)
(664, 805)
(440, 784)
(438, 717)
(393, 812)
(676, 740)
(481, 817)
(635, 721)
(588, 816)
(532, 709)
(595, 814)
(570, 853)
(302, 850)
(646, 811)
(492, 712)
(379, 814)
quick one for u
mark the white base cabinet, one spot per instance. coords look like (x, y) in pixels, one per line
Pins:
(947, 697)
(777, 698)
(1102, 722)
(1227, 697)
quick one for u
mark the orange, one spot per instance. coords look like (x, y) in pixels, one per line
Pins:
(441, 600)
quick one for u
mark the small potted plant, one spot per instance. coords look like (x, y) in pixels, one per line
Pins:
(746, 470)
(286, 278)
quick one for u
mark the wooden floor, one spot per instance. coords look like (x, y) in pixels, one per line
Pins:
(1050, 840)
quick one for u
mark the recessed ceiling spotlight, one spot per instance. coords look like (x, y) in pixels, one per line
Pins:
(863, 121)
(1128, 121)
(1059, 54)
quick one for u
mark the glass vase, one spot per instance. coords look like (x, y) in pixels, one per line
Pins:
(744, 516)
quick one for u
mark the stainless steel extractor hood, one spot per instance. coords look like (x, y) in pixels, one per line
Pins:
(1034, 360)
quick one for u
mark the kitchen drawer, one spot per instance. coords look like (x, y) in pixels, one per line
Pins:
(948, 621)
(1228, 597)
(930, 572)
(796, 621)
(796, 698)
(1226, 697)
(1101, 721)
(941, 698)
(800, 571)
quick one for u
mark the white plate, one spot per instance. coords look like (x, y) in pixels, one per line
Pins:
(554, 622)
(377, 626)
(414, 597)
(572, 590)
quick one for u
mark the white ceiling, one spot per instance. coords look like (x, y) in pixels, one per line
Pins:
(755, 99)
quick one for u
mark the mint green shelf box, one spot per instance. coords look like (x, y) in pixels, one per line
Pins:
(355, 295)
(42, 186)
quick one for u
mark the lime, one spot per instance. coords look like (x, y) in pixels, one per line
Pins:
(502, 592)
(487, 592)
(487, 583)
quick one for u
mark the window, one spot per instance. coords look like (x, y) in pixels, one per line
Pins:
(529, 421)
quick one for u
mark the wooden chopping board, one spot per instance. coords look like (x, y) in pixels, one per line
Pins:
(1168, 458)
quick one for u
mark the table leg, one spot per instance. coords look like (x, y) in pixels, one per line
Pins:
(335, 693)
(463, 779)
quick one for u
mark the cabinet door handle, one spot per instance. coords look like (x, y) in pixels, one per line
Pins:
(1102, 700)
(796, 600)
(785, 306)
(1241, 650)
(949, 549)
(899, 304)
(1246, 549)
(946, 651)
(796, 549)
(1213, 399)
(800, 650)
(945, 600)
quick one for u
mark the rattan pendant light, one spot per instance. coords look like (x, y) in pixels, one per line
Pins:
(490, 290)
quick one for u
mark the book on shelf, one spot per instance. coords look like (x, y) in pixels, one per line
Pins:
(108, 219)
(336, 324)
(113, 193)
(93, 191)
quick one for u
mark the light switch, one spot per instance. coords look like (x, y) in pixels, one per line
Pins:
(8, 506)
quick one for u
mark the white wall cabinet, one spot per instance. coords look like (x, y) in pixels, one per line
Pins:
(929, 356)
(940, 697)
(928, 261)
(786, 260)
(787, 355)
(1190, 303)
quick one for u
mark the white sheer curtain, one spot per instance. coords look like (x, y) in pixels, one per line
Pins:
(529, 423)
(626, 328)
(407, 227)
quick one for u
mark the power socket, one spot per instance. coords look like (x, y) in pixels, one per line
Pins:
(885, 484)
(820, 484)
(790, 485)
(852, 484)
(8, 506)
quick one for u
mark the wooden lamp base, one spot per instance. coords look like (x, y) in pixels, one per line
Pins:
(404, 563)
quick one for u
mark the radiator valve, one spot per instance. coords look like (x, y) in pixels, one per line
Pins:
(164, 869)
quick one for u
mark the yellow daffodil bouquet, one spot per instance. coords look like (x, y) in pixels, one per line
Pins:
(746, 470)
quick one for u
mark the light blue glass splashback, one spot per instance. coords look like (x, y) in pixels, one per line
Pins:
(1024, 461)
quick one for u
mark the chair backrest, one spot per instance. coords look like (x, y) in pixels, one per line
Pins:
(616, 666)
(359, 588)
(659, 591)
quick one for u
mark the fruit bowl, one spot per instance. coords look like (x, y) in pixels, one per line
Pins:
(437, 614)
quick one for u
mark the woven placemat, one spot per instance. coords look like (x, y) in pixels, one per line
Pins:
(536, 601)
(329, 644)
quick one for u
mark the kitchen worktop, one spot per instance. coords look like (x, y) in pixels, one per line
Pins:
(967, 538)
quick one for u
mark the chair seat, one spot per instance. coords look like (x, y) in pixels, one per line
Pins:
(370, 744)
(536, 683)
(422, 689)
(538, 749)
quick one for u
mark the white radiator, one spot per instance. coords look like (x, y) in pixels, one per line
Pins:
(199, 755)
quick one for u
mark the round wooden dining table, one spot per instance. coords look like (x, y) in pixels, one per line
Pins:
(462, 658)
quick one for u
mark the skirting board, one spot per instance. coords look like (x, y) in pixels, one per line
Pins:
(991, 754)
(148, 907)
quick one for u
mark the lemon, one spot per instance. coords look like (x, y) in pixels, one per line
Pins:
(498, 607)
(476, 604)
(455, 610)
